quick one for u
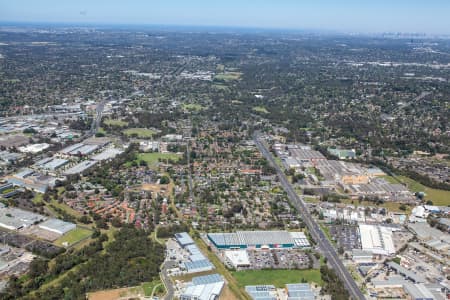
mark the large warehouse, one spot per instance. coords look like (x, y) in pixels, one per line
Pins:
(258, 239)
(376, 239)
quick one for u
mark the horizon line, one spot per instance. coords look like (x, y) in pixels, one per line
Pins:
(204, 26)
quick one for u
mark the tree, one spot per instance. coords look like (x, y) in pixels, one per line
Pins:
(164, 180)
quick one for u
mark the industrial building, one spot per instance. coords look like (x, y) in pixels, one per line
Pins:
(107, 154)
(376, 239)
(57, 226)
(32, 180)
(294, 291)
(415, 291)
(258, 240)
(34, 148)
(184, 239)
(299, 291)
(342, 153)
(13, 218)
(50, 163)
(80, 168)
(261, 292)
(206, 287)
(196, 262)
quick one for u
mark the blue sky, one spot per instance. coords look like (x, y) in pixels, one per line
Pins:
(428, 16)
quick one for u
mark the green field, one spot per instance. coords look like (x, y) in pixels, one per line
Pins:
(228, 76)
(140, 132)
(279, 278)
(193, 107)
(74, 236)
(439, 197)
(260, 109)
(149, 286)
(115, 122)
(153, 158)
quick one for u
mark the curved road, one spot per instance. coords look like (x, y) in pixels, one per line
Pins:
(316, 232)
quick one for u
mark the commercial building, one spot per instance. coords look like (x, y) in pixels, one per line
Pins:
(258, 240)
(57, 226)
(237, 258)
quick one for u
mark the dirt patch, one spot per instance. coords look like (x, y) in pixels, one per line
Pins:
(117, 294)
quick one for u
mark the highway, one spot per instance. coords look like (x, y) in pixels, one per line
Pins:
(314, 229)
(97, 118)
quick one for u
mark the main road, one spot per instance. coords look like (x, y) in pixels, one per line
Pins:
(98, 117)
(316, 232)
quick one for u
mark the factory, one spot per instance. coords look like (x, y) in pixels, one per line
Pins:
(258, 240)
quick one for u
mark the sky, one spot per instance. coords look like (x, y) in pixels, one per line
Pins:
(370, 16)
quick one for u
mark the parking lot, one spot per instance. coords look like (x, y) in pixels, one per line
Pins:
(278, 259)
(346, 236)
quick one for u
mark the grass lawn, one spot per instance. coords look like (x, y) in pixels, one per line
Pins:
(66, 208)
(74, 236)
(153, 158)
(228, 76)
(260, 109)
(115, 122)
(193, 107)
(149, 286)
(326, 230)
(220, 86)
(37, 198)
(140, 132)
(311, 199)
(278, 278)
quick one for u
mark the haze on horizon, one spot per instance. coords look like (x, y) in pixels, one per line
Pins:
(429, 17)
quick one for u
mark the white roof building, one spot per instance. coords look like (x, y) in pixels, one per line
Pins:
(376, 239)
(238, 258)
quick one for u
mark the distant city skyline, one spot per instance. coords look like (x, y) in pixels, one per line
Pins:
(431, 17)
